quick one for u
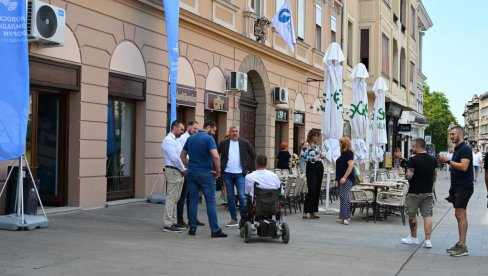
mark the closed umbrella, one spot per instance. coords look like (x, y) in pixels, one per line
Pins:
(378, 131)
(359, 111)
(332, 120)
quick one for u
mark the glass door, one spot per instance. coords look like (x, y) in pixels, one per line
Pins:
(46, 145)
(120, 149)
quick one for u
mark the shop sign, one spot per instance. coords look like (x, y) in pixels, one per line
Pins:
(282, 115)
(404, 127)
(216, 102)
(298, 118)
(185, 96)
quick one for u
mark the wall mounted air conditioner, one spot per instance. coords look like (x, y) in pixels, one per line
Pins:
(280, 95)
(237, 81)
(45, 24)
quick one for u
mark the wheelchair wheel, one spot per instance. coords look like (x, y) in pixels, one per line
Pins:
(247, 232)
(285, 232)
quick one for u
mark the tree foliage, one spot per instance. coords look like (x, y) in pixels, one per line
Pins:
(438, 114)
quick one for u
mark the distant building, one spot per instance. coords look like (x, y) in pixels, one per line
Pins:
(471, 121)
(483, 122)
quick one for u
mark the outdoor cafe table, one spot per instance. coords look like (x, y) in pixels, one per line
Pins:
(376, 185)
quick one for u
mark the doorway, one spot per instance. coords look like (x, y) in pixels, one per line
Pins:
(46, 145)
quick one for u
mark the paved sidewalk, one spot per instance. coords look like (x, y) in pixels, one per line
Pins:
(128, 240)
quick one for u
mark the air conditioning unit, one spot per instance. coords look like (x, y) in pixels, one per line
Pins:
(237, 81)
(45, 24)
(280, 95)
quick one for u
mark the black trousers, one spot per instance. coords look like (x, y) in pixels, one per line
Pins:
(314, 174)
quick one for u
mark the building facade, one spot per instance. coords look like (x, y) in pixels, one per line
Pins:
(100, 105)
(471, 116)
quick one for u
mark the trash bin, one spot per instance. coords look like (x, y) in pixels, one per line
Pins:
(30, 196)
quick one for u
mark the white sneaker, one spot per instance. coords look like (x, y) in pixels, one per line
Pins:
(410, 240)
(428, 244)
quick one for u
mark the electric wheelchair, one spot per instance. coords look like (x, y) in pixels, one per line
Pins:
(263, 215)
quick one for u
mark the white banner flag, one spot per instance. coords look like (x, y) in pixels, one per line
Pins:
(283, 23)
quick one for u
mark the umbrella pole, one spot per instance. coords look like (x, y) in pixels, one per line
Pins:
(375, 170)
(328, 211)
(327, 188)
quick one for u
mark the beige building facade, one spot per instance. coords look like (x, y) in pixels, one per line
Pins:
(100, 105)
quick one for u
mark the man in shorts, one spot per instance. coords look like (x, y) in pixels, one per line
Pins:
(462, 186)
(421, 174)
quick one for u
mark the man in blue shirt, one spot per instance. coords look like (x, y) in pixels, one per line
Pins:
(462, 186)
(200, 156)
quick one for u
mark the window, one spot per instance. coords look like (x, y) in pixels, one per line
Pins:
(318, 27)
(301, 19)
(333, 28)
(396, 60)
(403, 68)
(364, 51)
(412, 22)
(412, 75)
(349, 43)
(403, 14)
(385, 55)
(256, 7)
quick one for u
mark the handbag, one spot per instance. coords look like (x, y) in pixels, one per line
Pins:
(355, 170)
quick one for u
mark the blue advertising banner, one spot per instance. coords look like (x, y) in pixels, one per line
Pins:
(172, 14)
(14, 78)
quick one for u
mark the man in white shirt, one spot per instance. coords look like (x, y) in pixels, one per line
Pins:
(477, 159)
(174, 173)
(238, 157)
(192, 127)
(265, 179)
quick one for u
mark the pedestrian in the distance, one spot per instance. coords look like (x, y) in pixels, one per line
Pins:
(284, 157)
(345, 178)
(421, 174)
(462, 186)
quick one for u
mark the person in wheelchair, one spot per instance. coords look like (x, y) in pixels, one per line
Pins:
(264, 192)
(265, 179)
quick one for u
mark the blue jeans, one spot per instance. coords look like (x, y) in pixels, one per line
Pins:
(238, 180)
(205, 182)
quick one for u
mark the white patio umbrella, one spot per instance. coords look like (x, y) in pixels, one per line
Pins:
(332, 120)
(378, 131)
(359, 111)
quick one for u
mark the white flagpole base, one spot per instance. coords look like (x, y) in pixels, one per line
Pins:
(30, 222)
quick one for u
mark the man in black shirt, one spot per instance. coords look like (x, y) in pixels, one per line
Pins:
(462, 177)
(421, 174)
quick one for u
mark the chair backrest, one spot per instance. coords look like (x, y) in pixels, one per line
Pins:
(294, 171)
(267, 200)
(290, 186)
(277, 172)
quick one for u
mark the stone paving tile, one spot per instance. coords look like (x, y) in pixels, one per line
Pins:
(127, 240)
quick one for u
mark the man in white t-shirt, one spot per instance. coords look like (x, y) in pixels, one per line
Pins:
(477, 159)
(266, 179)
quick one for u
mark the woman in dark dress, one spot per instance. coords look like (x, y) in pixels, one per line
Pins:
(345, 178)
(283, 157)
(312, 154)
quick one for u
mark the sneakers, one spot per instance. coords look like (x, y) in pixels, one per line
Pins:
(428, 244)
(219, 234)
(192, 232)
(232, 223)
(410, 240)
(346, 221)
(461, 250)
(171, 229)
(180, 226)
(453, 249)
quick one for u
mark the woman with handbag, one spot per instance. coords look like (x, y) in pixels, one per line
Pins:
(312, 154)
(345, 178)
